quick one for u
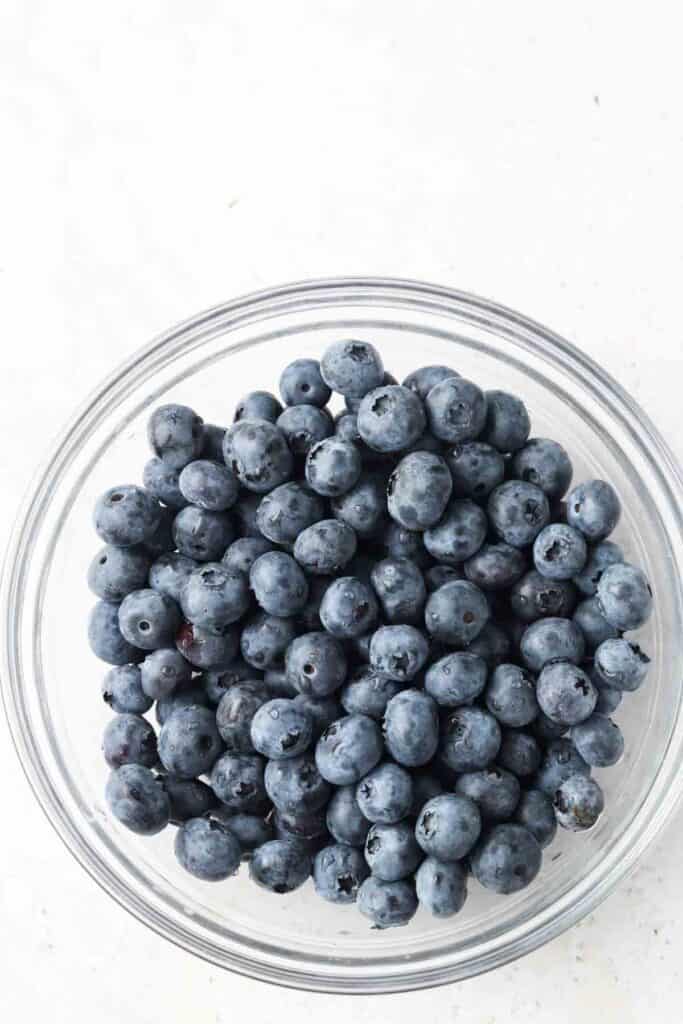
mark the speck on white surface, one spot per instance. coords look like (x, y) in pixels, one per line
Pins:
(160, 157)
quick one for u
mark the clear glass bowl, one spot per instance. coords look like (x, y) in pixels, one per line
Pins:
(51, 680)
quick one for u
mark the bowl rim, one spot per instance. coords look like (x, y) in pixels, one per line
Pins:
(250, 308)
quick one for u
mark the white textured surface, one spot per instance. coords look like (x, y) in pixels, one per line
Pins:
(163, 156)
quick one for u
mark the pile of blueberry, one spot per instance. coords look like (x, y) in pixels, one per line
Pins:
(382, 649)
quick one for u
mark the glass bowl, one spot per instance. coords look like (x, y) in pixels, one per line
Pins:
(51, 680)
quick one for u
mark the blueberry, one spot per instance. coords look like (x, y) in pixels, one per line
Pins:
(391, 418)
(162, 538)
(316, 664)
(608, 700)
(303, 426)
(551, 639)
(456, 612)
(495, 566)
(593, 508)
(105, 637)
(234, 714)
(136, 800)
(207, 849)
(162, 481)
(323, 711)
(250, 830)
(544, 463)
(265, 638)
(176, 434)
(536, 597)
(281, 729)
(599, 741)
(169, 574)
(163, 671)
(448, 826)
(578, 803)
(258, 405)
(346, 427)
(122, 691)
(202, 535)
(301, 383)
(213, 442)
(205, 650)
(115, 572)
(209, 485)
(280, 866)
(189, 798)
(518, 511)
(507, 421)
(621, 664)
(401, 543)
(492, 645)
(217, 682)
(349, 749)
(287, 511)
(519, 753)
(600, 557)
(352, 368)
(215, 596)
(333, 467)
(296, 786)
(439, 574)
(589, 617)
(411, 728)
(456, 410)
(426, 442)
(278, 583)
(625, 596)
(544, 729)
(387, 904)
(245, 512)
(325, 547)
(511, 696)
(400, 589)
(257, 453)
(470, 739)
(345, 820)
(244, 551)
(182, 697)
(189, 742)
(129, 739)
(418, 490)
(126, 516)
(368, 692)
(398, 652)
(507, 860)
(237, 781)
(494, 790)
(535, 812)
(459, 534)
(560, 552)
(338, 872)
(560, 761)
(148, 619)
(385, 794)
(391, 851)
(476, 468)
(565, 693)
(441, 888)
(348, 607)
(422, 381)
(456, 679)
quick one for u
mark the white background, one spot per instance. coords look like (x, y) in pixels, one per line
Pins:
(161, 157)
